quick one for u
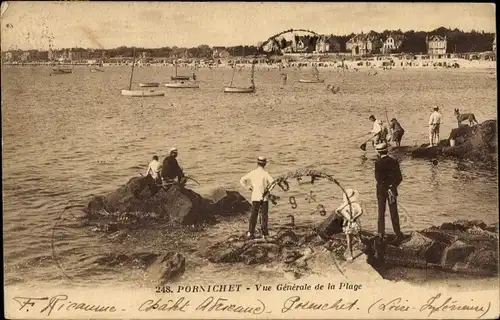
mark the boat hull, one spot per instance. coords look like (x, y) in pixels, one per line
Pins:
(179, 77)
(182, 85)
(311, 81)
(238, 90)
(61, 72)
(149, 84)
(141, 93)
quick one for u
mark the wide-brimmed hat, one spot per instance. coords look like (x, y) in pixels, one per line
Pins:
(261, 159)
(352, 194)
(174, 149)
(436, 108)
(381, 147)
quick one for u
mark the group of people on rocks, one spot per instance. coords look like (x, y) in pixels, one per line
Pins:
(165, 173)
(387, 175)
(381, 134)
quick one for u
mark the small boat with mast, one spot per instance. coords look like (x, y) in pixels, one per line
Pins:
(139, 93)
(184, 81)
(316, 78)
(250, 89)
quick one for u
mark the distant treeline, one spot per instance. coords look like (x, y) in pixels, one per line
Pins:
(458, 41)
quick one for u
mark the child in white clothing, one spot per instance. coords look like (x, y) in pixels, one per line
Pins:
(350, 212)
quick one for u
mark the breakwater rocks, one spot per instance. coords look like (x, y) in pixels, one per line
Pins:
(468, 247)
(460, 247)
(475, 143)
(141, 199)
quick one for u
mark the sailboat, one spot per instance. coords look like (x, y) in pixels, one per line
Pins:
(316, 77)
(177, 77)
(181, 84)
(250, 89)
(139, 93)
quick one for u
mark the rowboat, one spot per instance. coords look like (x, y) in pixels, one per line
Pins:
(61, 71)
(179, 77)
(139, 93)
(142, 93)
(239, 90)
(182, 85)
(149, 84)
(311, 81)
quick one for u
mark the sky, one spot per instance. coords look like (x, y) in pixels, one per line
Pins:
(31, 25)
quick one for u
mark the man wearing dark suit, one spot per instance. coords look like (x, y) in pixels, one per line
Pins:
(171, 169)
(388, 176)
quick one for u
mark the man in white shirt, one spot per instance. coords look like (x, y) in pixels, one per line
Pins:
(257, 181)
(154, 169)
(434, 123)
(377, 131)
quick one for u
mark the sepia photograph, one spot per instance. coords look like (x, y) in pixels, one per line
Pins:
(249, 160)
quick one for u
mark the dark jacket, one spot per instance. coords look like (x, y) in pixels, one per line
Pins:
(396, 126)
(388, 173)
(171, 169)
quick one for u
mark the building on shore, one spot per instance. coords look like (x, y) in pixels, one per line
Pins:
(436, 45)
(494, 46)
(363, 43)
(392, 43)
(327, 44)
(220, 52)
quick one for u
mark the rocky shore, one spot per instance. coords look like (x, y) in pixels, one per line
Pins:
(139, 208)
(476, 143)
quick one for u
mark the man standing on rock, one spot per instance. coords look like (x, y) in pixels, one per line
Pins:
(257, 181)
(388, 177)
(378, 133)
(171, 169)
(434, 123)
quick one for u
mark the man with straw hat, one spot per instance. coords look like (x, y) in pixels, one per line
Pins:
(171, 169)
(434, 123)
(388, 177)
(257, 181)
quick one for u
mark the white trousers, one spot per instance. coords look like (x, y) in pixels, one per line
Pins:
(434, 135)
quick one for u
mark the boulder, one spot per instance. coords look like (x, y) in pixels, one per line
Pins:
(457, 252)
(228, 203)
(166, 267)
(476, 143)
(330, 226)
(174, 203)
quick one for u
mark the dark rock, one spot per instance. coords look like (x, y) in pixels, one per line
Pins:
(224, 253)
(459, 251)
(255, 254)
(477, 143)
(484, 262)
(462, 225)
(175, 203)
(167, 266)
(229, 202)
(330, 226)
(287, 237)
(440, 235)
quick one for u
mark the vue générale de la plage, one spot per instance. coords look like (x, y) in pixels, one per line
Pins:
(249, 160)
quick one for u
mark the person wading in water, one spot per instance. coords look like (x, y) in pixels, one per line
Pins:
(171, 169)
(397, 132)
(257, 181)
(388, 177)
(378, 132)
